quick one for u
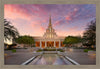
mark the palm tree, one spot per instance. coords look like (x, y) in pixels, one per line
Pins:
(10, 31)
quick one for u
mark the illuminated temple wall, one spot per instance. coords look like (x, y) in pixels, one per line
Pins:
(49, 44)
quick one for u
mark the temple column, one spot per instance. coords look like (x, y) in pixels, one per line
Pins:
(40, 44)
(45, 43)
(59, 44)
(54, 43)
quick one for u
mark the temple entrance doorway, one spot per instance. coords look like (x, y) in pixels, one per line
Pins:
(50, 43)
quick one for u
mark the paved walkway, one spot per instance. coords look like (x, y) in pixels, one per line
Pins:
(19, 57)
(23, 55)
(81, 57)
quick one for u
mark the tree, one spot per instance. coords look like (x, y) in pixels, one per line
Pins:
(89, 36)
(72, 40)
(25, 40)
(10, 31)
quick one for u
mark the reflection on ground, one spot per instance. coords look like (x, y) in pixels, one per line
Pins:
(50, 59)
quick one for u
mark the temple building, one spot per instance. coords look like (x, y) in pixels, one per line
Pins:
(49, 39)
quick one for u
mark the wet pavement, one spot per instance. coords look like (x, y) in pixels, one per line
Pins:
(49, 59)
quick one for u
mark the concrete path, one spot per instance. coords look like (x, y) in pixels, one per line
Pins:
(19, 57)
(81, 57)
(23, 55)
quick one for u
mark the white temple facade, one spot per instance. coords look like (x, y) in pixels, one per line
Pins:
(49, 39)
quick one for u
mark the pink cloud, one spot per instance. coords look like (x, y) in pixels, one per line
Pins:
(75, 9)
(59, 22)
(71, 32)
(20, 11)
(68, 18)
(13, 12)
(73, 28)
(37, 25)
(70, 15)
(56, 23)
(42, 28)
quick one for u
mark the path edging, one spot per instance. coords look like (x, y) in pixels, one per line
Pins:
(74, 62)
(28, 61)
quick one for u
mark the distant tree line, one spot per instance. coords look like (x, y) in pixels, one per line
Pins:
(70, 40)
(26, 40)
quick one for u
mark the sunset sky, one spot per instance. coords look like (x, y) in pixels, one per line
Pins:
(33, 19)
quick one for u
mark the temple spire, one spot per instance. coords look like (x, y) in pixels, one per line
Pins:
(50, 32)
(50, 25)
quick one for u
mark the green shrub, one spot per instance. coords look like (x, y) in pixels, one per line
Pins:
(60, 50)
(90, 50)
(85, 50)
(49, 49)
(39, 50)
(14, 50)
